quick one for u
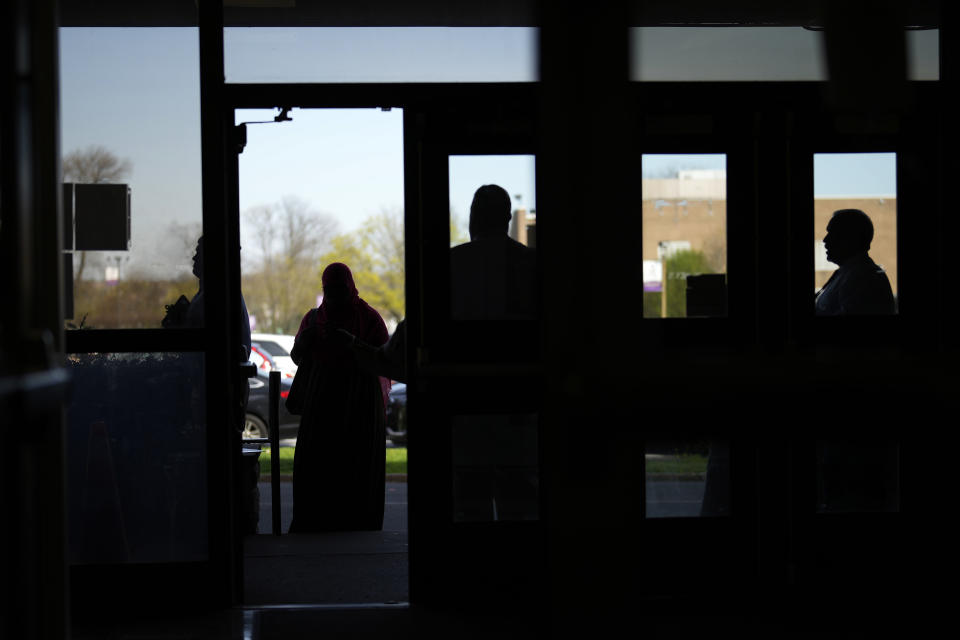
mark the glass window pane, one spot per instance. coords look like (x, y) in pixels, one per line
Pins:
(495, 468)
(858, 477)
(493, 237)
(380, 54)
(136, 458)
(130, 115)
(690, 54)
(855, 233)
(687, 479)
(923, 54)
(684, 235)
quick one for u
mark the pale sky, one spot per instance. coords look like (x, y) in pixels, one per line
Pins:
(834, 174)
(348, 163)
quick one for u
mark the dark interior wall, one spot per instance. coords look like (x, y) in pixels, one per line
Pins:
(33, 386)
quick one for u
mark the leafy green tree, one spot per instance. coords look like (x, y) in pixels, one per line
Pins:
(459, 231)
(375, 255)
(680, 265)
(651, 304)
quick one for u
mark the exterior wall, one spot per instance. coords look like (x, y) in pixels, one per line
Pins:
(523, 227)
(702, 223)
(693, 188)
(692, 208)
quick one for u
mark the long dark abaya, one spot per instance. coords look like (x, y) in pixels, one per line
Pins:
(338, 467)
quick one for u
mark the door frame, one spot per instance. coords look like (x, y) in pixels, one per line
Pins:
(126, 589)
(420, 103)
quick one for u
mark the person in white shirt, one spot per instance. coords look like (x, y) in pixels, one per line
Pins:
(859, 286)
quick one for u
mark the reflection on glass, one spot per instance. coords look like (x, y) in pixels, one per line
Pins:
(130, 121)
(136, 461)
(692, 54)
(684, 235)
(856, 269)
(495, 468)
(858, 477)
(493, 234)
(380, 54)
(687, 479)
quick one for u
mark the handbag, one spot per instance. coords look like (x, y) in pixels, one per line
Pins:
(300, 387)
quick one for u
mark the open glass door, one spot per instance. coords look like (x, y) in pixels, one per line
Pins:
(336, 197)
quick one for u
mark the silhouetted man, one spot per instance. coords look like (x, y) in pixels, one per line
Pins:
(194, 314)
(191, 314)
(493, 276)
(859, 286)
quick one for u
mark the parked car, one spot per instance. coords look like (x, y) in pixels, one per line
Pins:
(262, 359)
(258, 405)
(279, 347)
(397, 414)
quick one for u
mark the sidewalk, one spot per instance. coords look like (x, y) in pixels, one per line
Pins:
(330, 568)
(394, 508)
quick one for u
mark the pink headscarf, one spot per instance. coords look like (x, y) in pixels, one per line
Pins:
(343, 308)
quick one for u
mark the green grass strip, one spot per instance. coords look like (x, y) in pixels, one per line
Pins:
(677, 464)
(396, 460)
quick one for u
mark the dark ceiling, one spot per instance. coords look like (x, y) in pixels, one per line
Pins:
(502, 13)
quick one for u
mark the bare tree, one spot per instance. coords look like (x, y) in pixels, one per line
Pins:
(93, 165)
(281, 281)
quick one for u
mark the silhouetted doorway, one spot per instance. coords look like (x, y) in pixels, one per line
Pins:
(317, 186)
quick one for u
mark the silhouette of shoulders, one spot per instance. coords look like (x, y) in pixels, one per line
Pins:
(492, 277)
(859, 287)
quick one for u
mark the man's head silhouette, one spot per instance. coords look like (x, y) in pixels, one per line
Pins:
(849, 233)
(490, 212)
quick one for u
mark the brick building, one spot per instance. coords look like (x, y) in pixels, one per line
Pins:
(693, 208)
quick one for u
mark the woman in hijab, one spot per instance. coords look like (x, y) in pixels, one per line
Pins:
(338, 467)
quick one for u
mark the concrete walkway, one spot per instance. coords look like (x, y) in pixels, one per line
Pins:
(329, 568)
